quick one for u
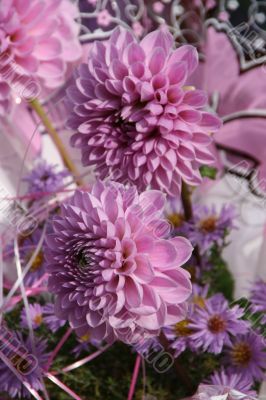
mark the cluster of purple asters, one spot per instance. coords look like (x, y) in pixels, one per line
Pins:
(22, 365)
(135, 115)
(207, 228)
(41, 315)
(45, 178)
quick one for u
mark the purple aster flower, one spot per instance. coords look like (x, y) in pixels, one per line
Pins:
(82, 346)
(26, 250)
(136, 116)
(51, 319)
(216, 323)
(258, 299)
(180, 336)
(148, 346)
(113, 273)
(22, 360)
(247, 355)
(234, 381)
(45, 178)
(36, 316)
(209, 227)
(174, 213)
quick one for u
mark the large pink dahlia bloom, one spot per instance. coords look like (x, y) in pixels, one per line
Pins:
(38, 40)
(135, 115)
(112, 272)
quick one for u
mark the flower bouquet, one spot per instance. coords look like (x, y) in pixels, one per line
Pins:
(119, 230)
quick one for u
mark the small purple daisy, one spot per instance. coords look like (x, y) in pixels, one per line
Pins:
(32, 372)
(148, 346)
(234, 381)
(50, 318)
(179, 336)
(26, 250)
(258, 298)
(36, 315)
(210, 227)
(215, 323)
(82, 346)
(247, 355)
(45, 178)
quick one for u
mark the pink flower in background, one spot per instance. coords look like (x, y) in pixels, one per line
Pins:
(138, 29)
(238, 93)
(158, 7)
(135, 115)
(39, 40)
(113, 273)
(104, 18)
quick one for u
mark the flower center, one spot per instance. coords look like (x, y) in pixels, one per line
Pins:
(20, 363)
(44, 177)
(241, 354)
(176, 219)
(208, 224)
(199, 301)
(216, 324)
(81, 259)
(37, 262)
(38, 319)
(85, 338)
(182, 329)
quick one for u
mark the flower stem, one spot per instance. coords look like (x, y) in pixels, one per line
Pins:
(188, 213)
(37, 107)
(186, 201)
(181, 372)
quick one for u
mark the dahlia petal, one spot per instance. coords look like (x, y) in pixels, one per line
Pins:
(29, 64)
(202, 138)
(157, 60)
(147, 92)
(153, 321)
(177, 73)
(163, 254)
(53, 69)
(133, 292)
(186, 54)
(190, 116)
(210, 121)
(118, 70)
(134, 54)
(196, 98)
(144, 272)
(183, 248)
(160, 38)
(48, 49)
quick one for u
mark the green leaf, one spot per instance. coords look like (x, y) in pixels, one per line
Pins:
(208, 172)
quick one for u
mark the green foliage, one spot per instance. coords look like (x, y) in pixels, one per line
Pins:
(208, 172)
(219, 277)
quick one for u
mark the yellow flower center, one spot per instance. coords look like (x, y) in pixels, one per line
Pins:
(182, 329)
(216, 324)
(199, 301)
(208, 224)
(241, 354)
(20, 363)
(37, 262)
(176, 219)
(85, 337)
(38, 319)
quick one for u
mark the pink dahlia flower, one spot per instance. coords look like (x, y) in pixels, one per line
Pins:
(38, 40)
(113, 273)
(135, 115)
